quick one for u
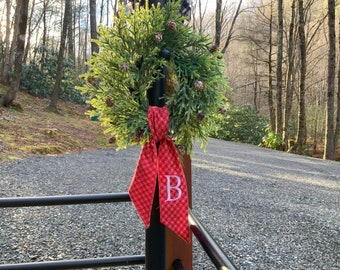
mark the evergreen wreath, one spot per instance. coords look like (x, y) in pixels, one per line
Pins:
(129, 62)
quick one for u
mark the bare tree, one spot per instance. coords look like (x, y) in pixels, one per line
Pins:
(270, 71)
(198, 18)
(279, 84)
(218, 23)
(30, 30)
(21, 24)
(302, 128)
(57, 86)
(44, 37)
(101, 11)
(4, 78)
(290, 75)
(337, 126)
(70, 37)
(93, 25)
(231, 29)
(329, 151)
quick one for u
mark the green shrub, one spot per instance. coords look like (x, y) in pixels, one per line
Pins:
(272, 140)
(38, 78)
(241, 124)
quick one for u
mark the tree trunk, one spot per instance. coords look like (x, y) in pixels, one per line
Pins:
(101, 12)
(289, 87)
(21, 22)
(7, 59)
(29, 32)
(107, 12)
(44, 37)
(86, 34)
(337, 126)
(255, 66)
(81, 58)
(70, 38)
(302, 129)
(279, 70)
(218, 23)
(57, 86)
(270, 71)
(93, 25)
(329, 151)
(201, 16)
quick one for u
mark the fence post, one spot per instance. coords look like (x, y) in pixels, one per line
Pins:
(155, 242)
(162, 246)
(176, 248)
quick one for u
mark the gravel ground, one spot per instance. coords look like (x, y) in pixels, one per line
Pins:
(267, 209)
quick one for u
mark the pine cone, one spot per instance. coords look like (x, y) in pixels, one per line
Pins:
(109, 102)
(139, 135)
(181, 150)
(213, 48)
(199, 85)
(200, 117)
(222, 111)
(158, 38)
(112, 140)
(125, 67)
(171, 24)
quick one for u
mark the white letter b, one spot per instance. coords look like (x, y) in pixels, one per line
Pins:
(175, 187)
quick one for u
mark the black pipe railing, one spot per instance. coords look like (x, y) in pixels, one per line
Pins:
(71, 200)
(64, 200)
(213, 250)
(80, 264)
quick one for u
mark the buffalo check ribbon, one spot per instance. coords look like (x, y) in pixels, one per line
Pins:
(159, 161)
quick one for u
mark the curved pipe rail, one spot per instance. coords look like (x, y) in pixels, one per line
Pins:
(213, 250)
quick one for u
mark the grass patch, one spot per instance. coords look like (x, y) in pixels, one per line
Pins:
(27, 129)
(43, 149)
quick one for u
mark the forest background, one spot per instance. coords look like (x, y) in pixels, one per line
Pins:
(282, 63)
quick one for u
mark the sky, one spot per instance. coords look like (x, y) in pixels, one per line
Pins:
(211, 4)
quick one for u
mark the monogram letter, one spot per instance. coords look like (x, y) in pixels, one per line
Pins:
(175, 187)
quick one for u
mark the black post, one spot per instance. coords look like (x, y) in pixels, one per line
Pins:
(155, 239)
(155, 235)
(156, 92)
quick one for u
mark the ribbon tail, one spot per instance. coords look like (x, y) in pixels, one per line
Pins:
(173, 192)
(143, 184)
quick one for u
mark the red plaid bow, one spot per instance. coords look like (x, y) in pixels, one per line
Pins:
(161, 164)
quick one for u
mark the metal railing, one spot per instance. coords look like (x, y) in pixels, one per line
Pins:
(213, 250)
(77, 264)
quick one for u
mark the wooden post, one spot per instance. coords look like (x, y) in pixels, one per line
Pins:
(176, 248)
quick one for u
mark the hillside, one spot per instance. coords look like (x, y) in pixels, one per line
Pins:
(26, 129)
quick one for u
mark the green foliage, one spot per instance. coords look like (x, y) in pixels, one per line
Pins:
(272, 140)
(38, 77)
(240, 124)
(129, 62)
